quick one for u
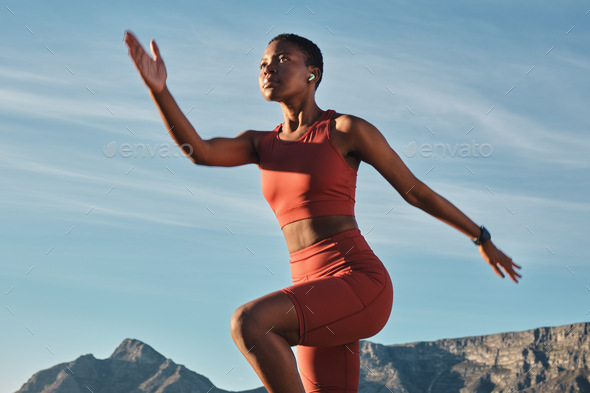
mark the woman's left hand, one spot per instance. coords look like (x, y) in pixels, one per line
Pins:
(497, 259)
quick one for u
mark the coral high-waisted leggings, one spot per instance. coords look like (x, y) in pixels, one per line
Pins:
(342, 293)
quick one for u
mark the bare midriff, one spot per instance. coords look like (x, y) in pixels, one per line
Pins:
(303, 233)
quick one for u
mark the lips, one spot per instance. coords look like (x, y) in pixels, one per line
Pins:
(269, 82)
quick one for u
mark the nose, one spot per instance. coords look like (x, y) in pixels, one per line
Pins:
(269, 68)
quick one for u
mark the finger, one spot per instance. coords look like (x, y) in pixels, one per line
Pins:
(129, 33)
(130, 39)
(510, 269)
(138, 54)
(155, 49)
(498, 271)
(493, 265)
(513, 277)
(511, 273)
(135, 48)
(133, 45)
(515, 264)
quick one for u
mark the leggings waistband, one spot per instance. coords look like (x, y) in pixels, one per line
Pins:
(329, 242)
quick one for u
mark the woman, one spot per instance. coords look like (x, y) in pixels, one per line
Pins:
(341, 291)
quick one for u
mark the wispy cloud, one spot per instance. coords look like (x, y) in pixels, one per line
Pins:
(522, 223)
(129, 189)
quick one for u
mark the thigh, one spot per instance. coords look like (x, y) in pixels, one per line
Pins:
(336, 310)
(334, 369)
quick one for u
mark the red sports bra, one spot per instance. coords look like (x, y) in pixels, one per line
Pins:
(307, 177)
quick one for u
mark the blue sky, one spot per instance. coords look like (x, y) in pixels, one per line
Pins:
(108, 233)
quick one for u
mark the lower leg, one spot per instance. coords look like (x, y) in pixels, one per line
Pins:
(330, 369)
(264, 331)
(272, 359)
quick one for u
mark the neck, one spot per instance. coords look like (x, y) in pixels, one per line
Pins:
(299, 116)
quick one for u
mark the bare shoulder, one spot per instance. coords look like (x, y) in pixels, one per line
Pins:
(368, 144)
(253, 138)
(357, 134)
(240, 150)
(349, 123)
(354, 126)
(252, 135)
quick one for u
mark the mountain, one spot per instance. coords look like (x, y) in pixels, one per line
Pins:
(134, 367)
(548, 359)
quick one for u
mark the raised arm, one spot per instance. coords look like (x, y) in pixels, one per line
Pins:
(213, 152)
(368, 144)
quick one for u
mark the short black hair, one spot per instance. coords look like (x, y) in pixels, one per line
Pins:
(311, 51)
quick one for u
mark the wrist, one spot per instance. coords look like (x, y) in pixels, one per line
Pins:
(158, 92)
(483, 237)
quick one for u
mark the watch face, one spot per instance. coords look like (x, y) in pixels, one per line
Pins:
(483, 237)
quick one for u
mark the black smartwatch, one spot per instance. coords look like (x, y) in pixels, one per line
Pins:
(483, 237)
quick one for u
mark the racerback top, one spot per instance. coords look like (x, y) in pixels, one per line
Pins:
(307, 177)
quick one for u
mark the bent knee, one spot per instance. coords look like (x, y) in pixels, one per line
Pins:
(257, 319)
(251, 321)
(243, 323)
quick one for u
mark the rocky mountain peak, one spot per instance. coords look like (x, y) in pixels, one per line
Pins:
(131, 350)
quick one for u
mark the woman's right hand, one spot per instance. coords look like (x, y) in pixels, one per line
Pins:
(153, 71)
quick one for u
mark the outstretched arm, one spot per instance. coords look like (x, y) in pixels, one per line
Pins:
(215, 151)
(372, 147)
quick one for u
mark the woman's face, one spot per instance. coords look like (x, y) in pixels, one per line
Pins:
(283, 73)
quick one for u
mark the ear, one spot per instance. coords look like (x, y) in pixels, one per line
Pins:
(314, 75)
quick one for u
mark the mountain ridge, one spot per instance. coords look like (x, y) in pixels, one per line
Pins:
(545, 359)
